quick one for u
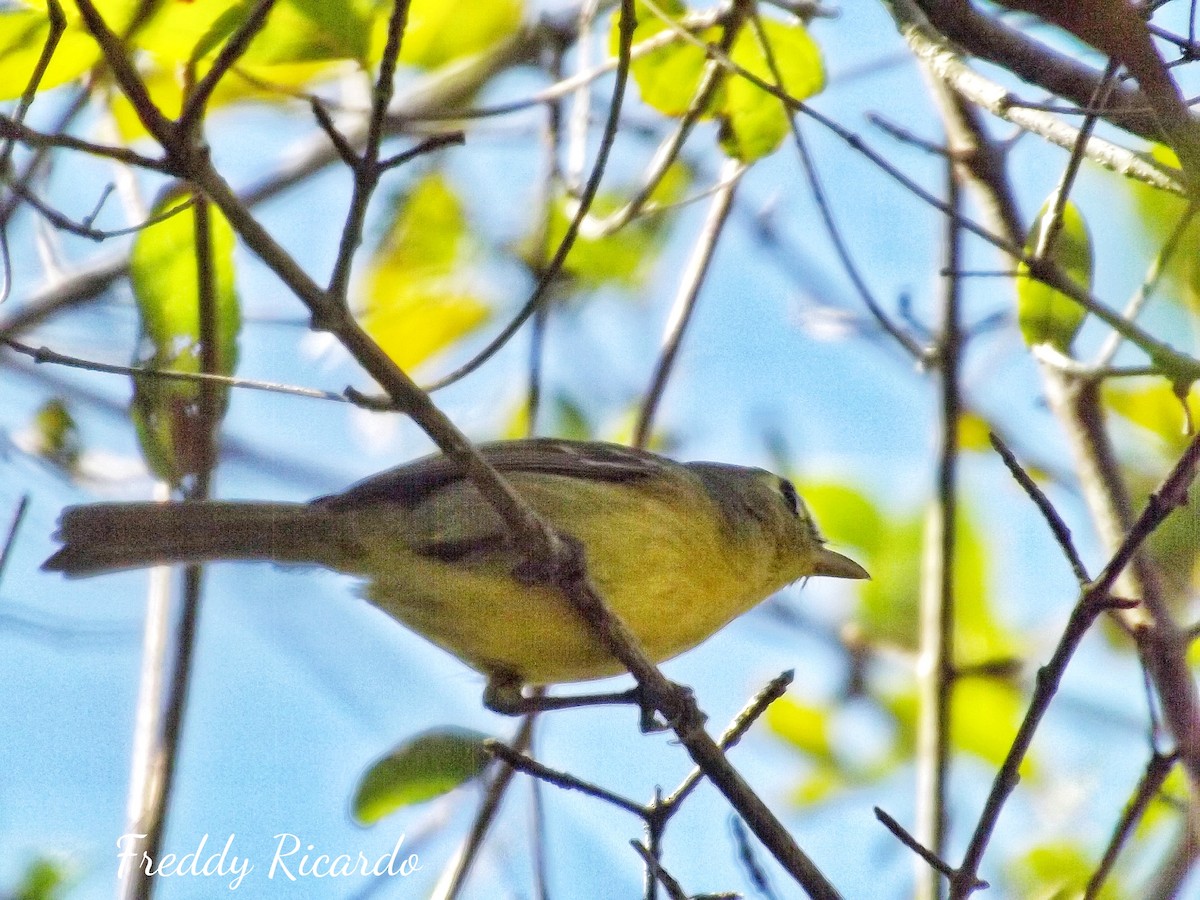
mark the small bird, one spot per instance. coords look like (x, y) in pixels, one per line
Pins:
(677, 550)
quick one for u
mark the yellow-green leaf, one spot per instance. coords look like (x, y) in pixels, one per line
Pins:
(165, 277)
(846, 515)
(23, 35)
(807, 728)
(302, 31)
(426, 766)
(1057, 870)
(1152, 403)
(419, 298)
(1046, 315)
(624, 257)
(756, 122)
(1157, 217)
(439, 32)
(668, 77)
(985, 714)
(413, 328)
(973, 432)
(43, 879)
(56, 435)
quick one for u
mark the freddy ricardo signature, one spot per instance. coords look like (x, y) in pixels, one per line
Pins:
(292, 860)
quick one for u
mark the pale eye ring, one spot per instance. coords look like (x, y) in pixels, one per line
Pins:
(788, 490)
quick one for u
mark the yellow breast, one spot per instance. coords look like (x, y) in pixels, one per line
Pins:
(667, 568)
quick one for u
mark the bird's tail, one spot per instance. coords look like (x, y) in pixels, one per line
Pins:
(105, 537)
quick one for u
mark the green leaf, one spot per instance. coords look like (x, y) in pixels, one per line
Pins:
(1152, 404)
(1157, 215)
(1046, 315)
(23, 34)
(56, 435)
(845, 514)
(822, 784)
(316, 31)
(756, 122)
(888, 607)
(979, 636)
(985, 714)
(426, 766)
(419, 299)
(623, 258)
(44, 879)
(1056, 870)
(439, 32)
(1164, 808)
(668, 77)
(165, 278)
(804, 727)
(177, 31)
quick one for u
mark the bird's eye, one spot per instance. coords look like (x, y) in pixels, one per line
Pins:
(790, 496)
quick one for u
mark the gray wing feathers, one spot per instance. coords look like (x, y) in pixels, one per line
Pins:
(409, 484)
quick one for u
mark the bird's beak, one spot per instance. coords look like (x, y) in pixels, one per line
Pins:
(834, 565)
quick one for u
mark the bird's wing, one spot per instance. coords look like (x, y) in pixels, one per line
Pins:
(411, 483)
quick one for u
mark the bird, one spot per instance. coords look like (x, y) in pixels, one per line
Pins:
(677, 550)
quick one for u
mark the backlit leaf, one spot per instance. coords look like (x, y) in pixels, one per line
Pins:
(1046, 315)
(440, 32)
(1158, 214)
(667, 78)
(805, 727)
(427, 766)
(56, 435)
(985, 714)
(419, 297)
(756, 121)
(1152, 403)
(1055, 870)
(23, 34)
(624, 257)
(165, 279)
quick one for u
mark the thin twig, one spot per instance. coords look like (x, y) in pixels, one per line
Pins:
(45, 355)
(1062, 534)
(57, 22)
(116, 55)
(366, 169)
(712, 77)
(690, 282)
(808, 164)
(737, 729)
(428, 145)
(558, 778)
(658, 873)
(452, 882)
(1094, 600)
(23, 134)
(85, 230)
(1158, 268)
(1048, 234)
(1157, 770)
(749, 860)
(232, 50)
(10, 539)
(203, 430)
(932, 860)
(935, 665)
(549, 276)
